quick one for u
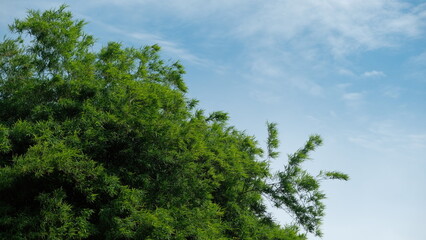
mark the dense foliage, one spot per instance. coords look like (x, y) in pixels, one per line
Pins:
(106, 145)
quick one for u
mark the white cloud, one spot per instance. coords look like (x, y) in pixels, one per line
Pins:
(392, 92)
(345, 72)
(353, 99)
(374, 73)
(354, 96)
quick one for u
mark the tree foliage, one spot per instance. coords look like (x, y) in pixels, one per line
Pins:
(106, 145)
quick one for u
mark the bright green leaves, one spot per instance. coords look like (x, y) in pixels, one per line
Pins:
(299, 192)
(144, 65)
(15, 65)
(272, 142)
(126, 217)
(59, 220)
(302, 154)
(218, 116)
(202, 222)
(55, 160)
(55, 39)
(333, 175)
(16, 71)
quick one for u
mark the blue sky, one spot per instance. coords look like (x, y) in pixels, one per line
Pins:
(353, 71)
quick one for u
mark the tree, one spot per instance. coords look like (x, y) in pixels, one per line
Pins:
(106, 145)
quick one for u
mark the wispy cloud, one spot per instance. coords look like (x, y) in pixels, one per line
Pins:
(353, 99)
(342, 26)
(419, 60)
(353, 96)
(374, 73)
(387, 136)
(392, 92)
(277, 73)
(170, 47)
(308, 86)
(268, 97)
(345, 72)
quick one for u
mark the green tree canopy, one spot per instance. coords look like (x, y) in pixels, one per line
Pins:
(106, 145)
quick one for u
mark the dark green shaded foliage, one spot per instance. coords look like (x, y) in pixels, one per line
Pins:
(105, 145)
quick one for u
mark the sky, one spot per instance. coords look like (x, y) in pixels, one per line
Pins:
(353, 71)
